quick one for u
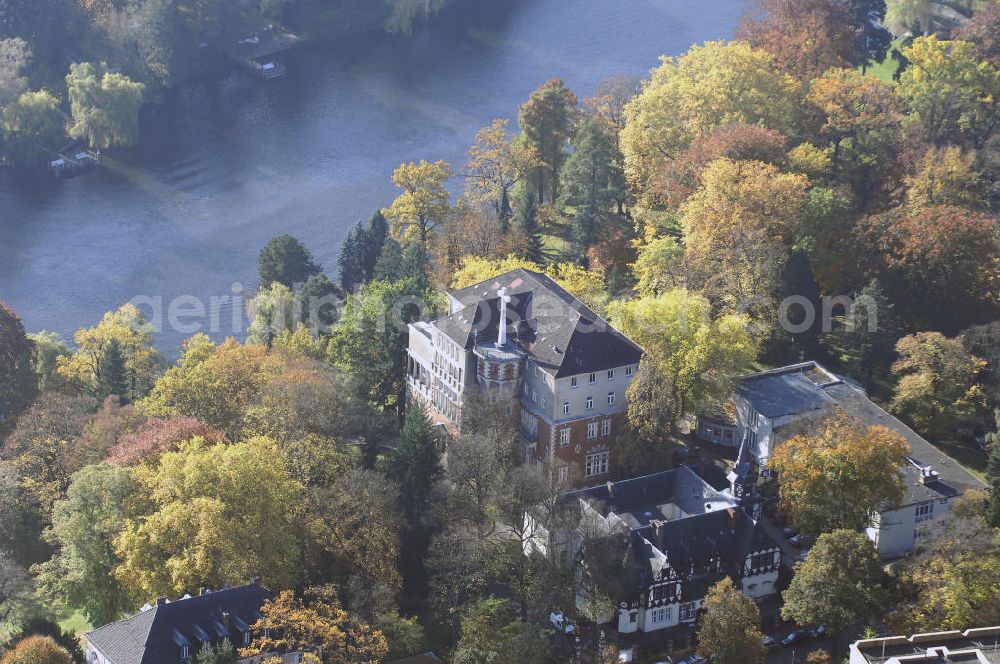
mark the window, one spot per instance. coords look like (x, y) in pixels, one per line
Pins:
(563, 473)
(687, 611)
(534, 395)
(611, 374)
(590, 402)
(925, 512)
(592, 430)
(563, 437)
(606, 428)
(185, 652)
(543, 401)
(246, 638)
(629, 370)
(593, 378)
(661, 615)
(597, 464)
(611, 398)
(632, 617)
(754, 418)
(572, 382)
(565, 408)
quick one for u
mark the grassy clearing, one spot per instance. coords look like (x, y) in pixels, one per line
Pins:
(885, 69)
(75, 623)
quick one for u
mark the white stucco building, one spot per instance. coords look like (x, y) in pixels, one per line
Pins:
(774, 405)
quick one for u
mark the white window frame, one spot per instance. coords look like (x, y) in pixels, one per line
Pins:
(572, 383)
(590, 403)
(565, 408)
(606, 428)
(597, 464)
(687, 611)
(593, 377)
(611, 398)
(611, 375)
(564, 437)
(591, 430)
(629, 370)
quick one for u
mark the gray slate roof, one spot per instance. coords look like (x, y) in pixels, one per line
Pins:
(559, 332)
(152, 636)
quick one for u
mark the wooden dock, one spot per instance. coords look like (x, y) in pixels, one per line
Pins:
(65, 165)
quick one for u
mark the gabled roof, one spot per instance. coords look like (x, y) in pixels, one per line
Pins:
(155, 636)
(559, 331)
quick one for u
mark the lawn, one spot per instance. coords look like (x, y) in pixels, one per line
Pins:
(75, 623)
(885, 69)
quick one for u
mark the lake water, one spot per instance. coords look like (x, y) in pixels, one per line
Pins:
(233, 162)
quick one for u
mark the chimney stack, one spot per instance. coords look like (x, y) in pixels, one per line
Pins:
(611, 488)
(657, 526)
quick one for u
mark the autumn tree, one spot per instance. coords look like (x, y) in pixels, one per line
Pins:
(983, 30)
(838, 585)
(84, 527)
(738, 228)
(948, 591)
(806, 37)
(857, 118)
(939, 264)
(730, 629)
(217, 514)
(952, 96)
(497, 163)
(158, 435)
(424, 202)
(18, 383)
(681, 177)
(104, 105)
(41, 450)
(946, 176)
(840, 474)
(37, 650)
(315, 622)
(712, 85)
(696, 355)
(937, 389)
(209, 382)
(285, 260)
(132, 333)
(547, 120)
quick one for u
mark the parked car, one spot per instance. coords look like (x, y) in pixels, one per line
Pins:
(693, 659)
(769, 642)
(801, 540)
(818, 632)
(802, 555)
(789, 531)
(798, 636)
(559, 621)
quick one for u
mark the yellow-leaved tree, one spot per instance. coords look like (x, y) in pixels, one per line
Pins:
(213, 515)
(424, 202)
(840, 474)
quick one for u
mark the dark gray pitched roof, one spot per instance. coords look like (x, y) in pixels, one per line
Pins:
(154, 636)
(952, 478)
(558, 331)
(640, 496)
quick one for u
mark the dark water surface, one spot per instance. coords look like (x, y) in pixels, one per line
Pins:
(233, 162)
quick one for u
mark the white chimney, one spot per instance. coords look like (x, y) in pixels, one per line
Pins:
(502, 331)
